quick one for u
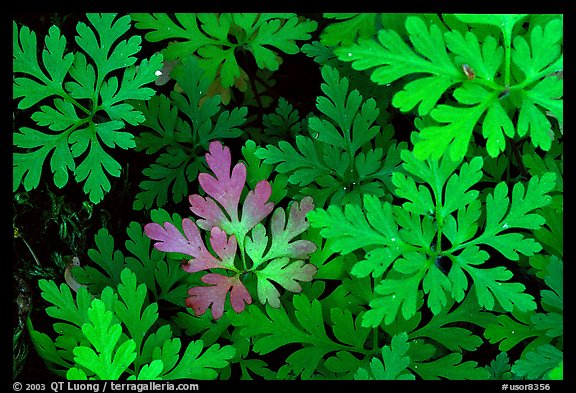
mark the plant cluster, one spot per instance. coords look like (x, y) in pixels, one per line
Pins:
(409, 227)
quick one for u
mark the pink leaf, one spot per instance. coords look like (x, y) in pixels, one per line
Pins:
(202, 297)
(283, 233)
(284, 273)
(256, 206)
(225, 188)
(207, 209)
(171, 240)
(224, 247)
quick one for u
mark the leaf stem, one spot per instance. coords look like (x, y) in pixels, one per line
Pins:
(518, 158)
(489, 84)
(29, 249)
(507, 36)
(67, 97)
(556, 66)
(439, 219)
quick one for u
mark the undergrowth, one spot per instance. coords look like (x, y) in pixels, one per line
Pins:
(189, 204)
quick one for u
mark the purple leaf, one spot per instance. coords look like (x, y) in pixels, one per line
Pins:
(283, 233)
(225, 188)
(218, 213)
(171, 240)
(224, 247)
(256, 206)
(284, 273)
(202, 297)
(211, 213)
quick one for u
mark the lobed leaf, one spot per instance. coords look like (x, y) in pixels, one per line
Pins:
(275, 329)
(207, 35)
(404, 238)
(481, 66)
(394, 365)
(170, 239)
(196, 364)
(539, 362)
(106, 360)
(215, 295)
(339, 156)
(83, 89)
(186, 121)
(225, 190)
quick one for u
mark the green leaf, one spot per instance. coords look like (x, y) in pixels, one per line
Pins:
(257, 170)
(503, 213)
(110, 261)
(545, 94)
(132, 309)
(557, 373)
(484, 57)
(163, 279)
(509, 332)
(83, 89)
(491, 283)
(180, 129)
(107, 360)
(537, 363)
(111, 337)
(209, 36)
(149, 372)
(354, 227)
(540, 49)
(499, 368)
(275, 329)
(338, 156)
(443, 327)
(286, 274)
(395, 362)
(394, 59)
(458, 124)
(450, 367)
(195, 364)
(552, 301)
(55, 361)
(482, 66)
(25, 61)
(553, 298)
(400, 242)
(284, 122)
(64, 306)
(348, 27)
(305, 165)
